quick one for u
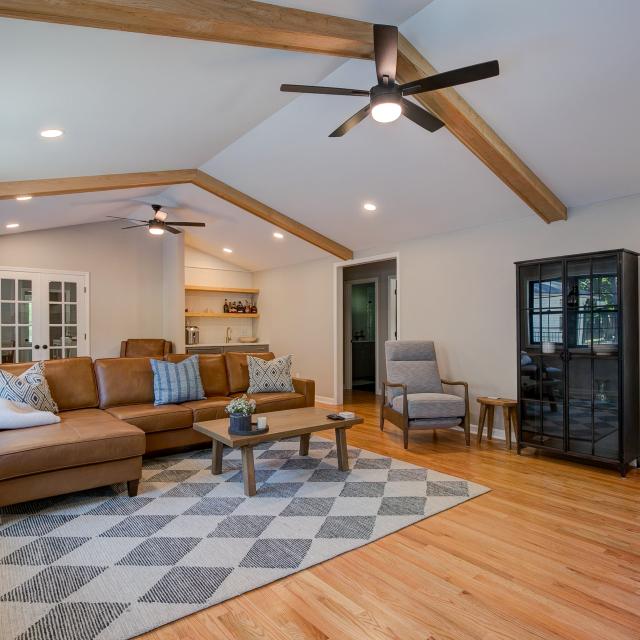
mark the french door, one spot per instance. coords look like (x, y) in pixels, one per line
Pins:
(43, 315)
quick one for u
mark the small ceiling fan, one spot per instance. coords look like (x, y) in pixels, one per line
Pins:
(159, 223)
(387, 100)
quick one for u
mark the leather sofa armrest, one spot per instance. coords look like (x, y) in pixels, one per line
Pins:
(307, 388)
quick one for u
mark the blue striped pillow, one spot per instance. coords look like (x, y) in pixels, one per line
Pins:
(176, 381)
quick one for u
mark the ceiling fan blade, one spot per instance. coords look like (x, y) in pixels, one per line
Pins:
(355, 119)
(171, 229)
(420, 116)
(334, 91)
(385, 47)
(452, 78)
(186, 224)
(130, 219)
(136, 226)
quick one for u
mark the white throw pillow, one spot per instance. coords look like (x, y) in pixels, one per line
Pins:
(18, 415)
(29, 387)
(269, 376)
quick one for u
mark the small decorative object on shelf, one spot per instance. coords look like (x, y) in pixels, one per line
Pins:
(225, 308)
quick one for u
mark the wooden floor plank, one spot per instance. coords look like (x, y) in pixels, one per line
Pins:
(551, 553)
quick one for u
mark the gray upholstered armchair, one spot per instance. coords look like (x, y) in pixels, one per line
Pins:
(413, 397)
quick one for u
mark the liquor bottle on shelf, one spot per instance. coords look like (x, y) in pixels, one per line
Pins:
(254, 309)
(239, 307)
(232, 308)
(247, 307)
(225, 308)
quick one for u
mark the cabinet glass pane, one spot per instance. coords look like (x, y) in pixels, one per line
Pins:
(6, 357)
(25, 290)
(24, 355)
(55, 336)
(580, 392)
(70, 292)
(55, 292)
(70, 353)
(605, 282)
(24, 336)
(544, 300)
(70, 336)
(55, 354)
(605, 407)
(529, 283)
(579, 304)
(24, 313)
(7, 289)
(70, 314)
(530, 422)
(552, 378)
(55, 314)
(7, 313)
(553, 424)
(530, 376)
(8, 337)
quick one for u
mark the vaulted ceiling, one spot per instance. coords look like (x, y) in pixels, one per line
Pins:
(564, 101)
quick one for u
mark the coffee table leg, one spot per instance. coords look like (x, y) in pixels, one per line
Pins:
(248, 471)
(304, 444)
(341, 446)
(216, 458)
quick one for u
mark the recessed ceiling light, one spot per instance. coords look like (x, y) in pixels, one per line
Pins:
(13, 225)
(51, 133)
(369, 206)
(227, 250)
(21, 198)
(277, 234)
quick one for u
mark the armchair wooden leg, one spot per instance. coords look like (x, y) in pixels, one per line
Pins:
(381, 418)
(405, 438)
(467, 430)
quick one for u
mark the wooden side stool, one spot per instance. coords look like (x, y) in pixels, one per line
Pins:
(509, 413)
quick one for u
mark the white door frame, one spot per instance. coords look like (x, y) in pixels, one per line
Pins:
(86, 311)
(392, 309)
(348, 352)
(338, 317)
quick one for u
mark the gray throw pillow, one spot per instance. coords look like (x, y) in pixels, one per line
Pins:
(29, 387)
(269, 376)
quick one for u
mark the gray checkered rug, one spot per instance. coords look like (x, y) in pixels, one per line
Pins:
(99, 564)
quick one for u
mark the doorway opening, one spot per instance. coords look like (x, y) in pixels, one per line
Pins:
(368, 319)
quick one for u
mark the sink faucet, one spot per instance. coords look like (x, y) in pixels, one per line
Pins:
(227, 337)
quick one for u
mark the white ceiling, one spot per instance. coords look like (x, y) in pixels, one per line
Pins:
(566, 101)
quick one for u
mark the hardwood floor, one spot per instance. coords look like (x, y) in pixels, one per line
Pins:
(553, 551)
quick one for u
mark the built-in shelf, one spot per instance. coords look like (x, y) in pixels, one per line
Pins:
(196, 287)
(218, 314)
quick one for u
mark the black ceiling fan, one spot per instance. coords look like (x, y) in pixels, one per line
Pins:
(387, 99)
(159, 223)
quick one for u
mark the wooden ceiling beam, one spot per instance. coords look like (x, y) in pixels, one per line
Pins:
(466, 125)
(234, 21)
(261, 210)
(88, 184)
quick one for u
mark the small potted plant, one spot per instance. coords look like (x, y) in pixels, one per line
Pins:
(240, 411)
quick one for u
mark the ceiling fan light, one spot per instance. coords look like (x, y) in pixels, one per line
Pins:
(386, 111)
(156, 230)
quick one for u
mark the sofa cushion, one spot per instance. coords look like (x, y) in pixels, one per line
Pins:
(83, 437)
(431, 405)
(30, 388)
(213, 372)
(238, 369)
(71, 380)
(124, 381)
(175, 382)
(150, 417)
(208, 409)
(277, 401)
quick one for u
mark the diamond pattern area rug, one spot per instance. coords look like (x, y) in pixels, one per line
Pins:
(99, 564)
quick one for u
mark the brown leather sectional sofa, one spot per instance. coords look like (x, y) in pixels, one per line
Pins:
(109, 422)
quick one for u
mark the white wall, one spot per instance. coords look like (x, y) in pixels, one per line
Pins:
(457, 289)
(125, 276)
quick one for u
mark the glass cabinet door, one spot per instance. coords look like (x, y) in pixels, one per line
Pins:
(17, 299)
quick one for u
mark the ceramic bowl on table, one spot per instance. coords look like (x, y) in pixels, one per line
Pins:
(247, 339)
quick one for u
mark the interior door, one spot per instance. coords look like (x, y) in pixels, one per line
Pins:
(19, 310)
(64, 322)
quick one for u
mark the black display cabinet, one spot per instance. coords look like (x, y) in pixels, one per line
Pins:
(578, 356)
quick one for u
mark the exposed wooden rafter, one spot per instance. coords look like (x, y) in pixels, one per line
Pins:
(266, 25)
(87, 184)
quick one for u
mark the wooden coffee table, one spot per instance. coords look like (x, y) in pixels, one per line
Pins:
(282, 424)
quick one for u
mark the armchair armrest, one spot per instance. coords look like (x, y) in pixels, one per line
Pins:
(455, 383)
(467, 409)
(307, 388)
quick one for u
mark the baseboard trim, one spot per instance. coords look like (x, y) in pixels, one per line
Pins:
(498, 433)
(326, 400)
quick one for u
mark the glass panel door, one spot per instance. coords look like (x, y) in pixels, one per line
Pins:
(64, 325)
(18, 295)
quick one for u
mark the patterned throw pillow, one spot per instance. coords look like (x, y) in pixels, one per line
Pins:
(269, 376)
(29, 387)
(177, 381)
